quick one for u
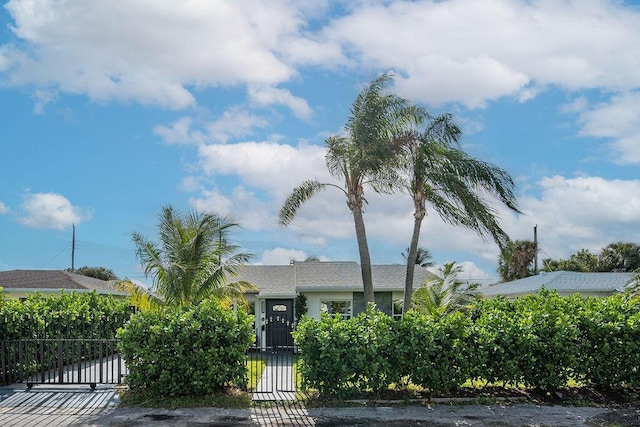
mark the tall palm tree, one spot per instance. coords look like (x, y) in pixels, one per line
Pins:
(193, 259)
(423, 256)
(375, 131)
(455, 184)
(445, 293)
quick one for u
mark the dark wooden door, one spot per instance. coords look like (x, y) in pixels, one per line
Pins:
(279, 323)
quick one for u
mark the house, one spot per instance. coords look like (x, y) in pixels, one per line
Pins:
(19, 284)
(565, 283)
(327, 287)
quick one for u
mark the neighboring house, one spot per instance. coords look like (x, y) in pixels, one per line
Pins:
(329, 287)
(565, 282)
(19, 284)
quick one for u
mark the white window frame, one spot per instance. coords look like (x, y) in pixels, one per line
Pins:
(325, 302)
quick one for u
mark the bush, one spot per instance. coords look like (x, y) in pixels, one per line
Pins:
(434, 352)
(609, 348)
(186, 351)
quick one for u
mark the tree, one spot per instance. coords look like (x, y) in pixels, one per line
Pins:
(101, 273)
(193, 259)
(445, 294)
(516, 260)
(374, 134)
(423, 257)
(620, 256)
(454, 184)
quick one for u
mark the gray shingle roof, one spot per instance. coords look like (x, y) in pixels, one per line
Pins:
(319, 276)
(562, 281)
(54, 280)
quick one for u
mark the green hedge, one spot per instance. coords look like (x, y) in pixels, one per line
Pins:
(186, 351)
(538, 341)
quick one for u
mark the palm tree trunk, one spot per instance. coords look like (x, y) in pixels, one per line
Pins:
(411, 262)
(365, 258)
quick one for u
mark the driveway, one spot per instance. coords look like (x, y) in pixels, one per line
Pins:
(49, 406)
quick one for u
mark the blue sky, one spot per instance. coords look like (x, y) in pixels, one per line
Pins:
(110, 110)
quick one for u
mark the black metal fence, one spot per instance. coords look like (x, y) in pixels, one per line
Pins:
(273, 367)
(61, 361)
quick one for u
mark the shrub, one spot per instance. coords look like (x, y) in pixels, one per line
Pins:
(186, 351)
(609, 349)
(434, 352)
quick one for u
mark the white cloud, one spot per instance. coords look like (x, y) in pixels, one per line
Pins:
(236, 122)
(179, 132)
(264, 96)
(150, 52)
(579, 213)
(471, 52)
(269, 166)
(4, 209)
(281, 256)
(50, 210)
(618, 121)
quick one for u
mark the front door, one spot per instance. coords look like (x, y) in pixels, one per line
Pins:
(279, 323)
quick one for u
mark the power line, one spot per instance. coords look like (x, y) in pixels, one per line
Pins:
(56, 256)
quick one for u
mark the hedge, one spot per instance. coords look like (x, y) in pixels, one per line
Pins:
(538, 341)
(186, 351)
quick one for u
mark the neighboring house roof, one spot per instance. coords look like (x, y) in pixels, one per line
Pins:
(564, 282)
(47, 281)
(323, 276)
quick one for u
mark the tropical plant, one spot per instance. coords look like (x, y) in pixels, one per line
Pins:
(193, 259)
(423, 257)
(620, 256)
(454, 184)
(445, 293)
(516, 260)
(101, 273)
(375, 131)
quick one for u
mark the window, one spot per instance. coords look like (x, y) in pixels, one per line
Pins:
(279, 308)
(397, 309)
(336, 308)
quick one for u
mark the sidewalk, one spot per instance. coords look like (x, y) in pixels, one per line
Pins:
(49, 406)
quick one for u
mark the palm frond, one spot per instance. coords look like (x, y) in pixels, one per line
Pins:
(297, 198)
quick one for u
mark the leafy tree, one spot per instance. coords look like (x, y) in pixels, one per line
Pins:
(444, 294)
(375, 131)
(193, 259)
(101, 273)
(453, 183)
(423, 257)
(516, 260)
(620, 256)
(615, 257)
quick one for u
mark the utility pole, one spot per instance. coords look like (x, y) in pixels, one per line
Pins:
(535, 245)
(73, 248)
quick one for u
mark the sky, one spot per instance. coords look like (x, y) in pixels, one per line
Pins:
(111, 110)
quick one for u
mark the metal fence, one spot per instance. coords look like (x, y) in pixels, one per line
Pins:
(61, 361)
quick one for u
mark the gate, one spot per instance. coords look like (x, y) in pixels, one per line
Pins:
(272, 368)
(61, 361)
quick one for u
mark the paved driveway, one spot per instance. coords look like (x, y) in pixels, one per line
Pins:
(54, 406)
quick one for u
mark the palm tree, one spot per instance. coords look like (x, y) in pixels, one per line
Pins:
(423, 257)
(444, 294)
(375, 131)
(516, 260)
(453, 183)
(193, 259)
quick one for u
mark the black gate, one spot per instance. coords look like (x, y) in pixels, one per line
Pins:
(61, 361)
(272, 369)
